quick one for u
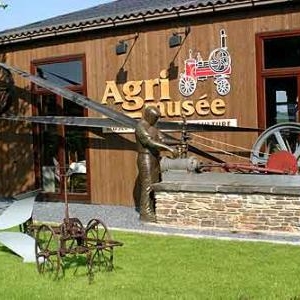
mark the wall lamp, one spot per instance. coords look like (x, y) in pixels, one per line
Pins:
(176, 37)
(175, 40)
(121, 47)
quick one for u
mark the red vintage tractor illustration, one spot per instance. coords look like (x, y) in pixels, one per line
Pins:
(217, 66)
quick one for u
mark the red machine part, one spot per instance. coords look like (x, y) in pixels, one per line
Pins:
(283, 161)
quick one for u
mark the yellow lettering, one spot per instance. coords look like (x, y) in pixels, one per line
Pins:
(173, 108)
(164, 86)
(133, 102)
(149, 88)
(188, 108)
(111, 91)
(161, 107)
(218, 107)
(202, 107)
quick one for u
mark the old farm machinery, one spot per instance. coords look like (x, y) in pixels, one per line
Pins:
(276, 151)
(55, 244)
(278, 147)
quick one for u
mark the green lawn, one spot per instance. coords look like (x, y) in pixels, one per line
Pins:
(160, 267)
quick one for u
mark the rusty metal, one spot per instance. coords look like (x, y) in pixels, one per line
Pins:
(284, 161)
(192, 164)
(242, 168)
(280, 137)
(54, 243)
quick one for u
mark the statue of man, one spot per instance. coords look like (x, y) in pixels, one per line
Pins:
(150, 142)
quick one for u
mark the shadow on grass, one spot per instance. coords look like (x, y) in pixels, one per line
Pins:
(7, 250)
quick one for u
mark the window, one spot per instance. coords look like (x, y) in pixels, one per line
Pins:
(64, 74)
(282, 100)
(281, 52)
(278, 75)
(61, 150)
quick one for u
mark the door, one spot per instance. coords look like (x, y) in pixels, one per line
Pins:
(61, 151)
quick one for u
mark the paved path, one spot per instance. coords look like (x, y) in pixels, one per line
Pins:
(127, 219)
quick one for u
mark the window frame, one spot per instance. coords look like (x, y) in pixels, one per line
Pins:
(262, 73)
(37, 91)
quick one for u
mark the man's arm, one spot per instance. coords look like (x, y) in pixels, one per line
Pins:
(148, 142)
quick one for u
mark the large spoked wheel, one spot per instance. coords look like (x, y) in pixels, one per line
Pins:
(98, 239)
(223, 86)
(187, 85)
(284, 138)
(47, 251)
(219, 60)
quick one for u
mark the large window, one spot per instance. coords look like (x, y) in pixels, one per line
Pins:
(278, 70)
(64, 73)
(62, 161)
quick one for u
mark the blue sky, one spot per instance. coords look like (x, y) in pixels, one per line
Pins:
(22, 12)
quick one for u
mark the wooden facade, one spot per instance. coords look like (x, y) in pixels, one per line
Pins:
(111, 159)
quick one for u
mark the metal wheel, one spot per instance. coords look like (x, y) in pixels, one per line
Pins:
(280, 137)
(47, 251)
(219, 60)
(187, 85)
(223, 86)
(72, 236)
(99, 240)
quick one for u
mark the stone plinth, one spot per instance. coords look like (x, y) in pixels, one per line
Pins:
(237, 202)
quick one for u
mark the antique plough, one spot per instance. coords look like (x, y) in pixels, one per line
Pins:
(55, 243)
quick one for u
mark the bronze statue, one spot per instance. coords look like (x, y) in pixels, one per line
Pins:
(150, 142)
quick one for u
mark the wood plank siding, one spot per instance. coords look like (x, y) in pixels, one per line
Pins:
(112, 157)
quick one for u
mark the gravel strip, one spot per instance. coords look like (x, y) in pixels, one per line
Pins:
(127, 219)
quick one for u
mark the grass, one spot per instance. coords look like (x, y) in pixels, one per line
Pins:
(160, 267)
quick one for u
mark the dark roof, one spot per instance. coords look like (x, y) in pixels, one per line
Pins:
(122, 12)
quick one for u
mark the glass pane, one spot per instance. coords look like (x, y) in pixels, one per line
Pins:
(282, 52)
(282, 100)
(49, 147)
(75, 149)
(62, 73)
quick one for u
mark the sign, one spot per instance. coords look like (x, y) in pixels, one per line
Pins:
(117, 130)
(130, 99)
(217, 66)
(133, 96)
(218, 122)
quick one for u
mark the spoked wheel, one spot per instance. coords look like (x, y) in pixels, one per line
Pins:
(47, 251)
(281, 141)
(187, 85)
(223, 86)
(98, 239)
(219, 60)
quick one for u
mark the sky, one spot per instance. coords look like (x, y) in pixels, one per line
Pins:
(22, 12)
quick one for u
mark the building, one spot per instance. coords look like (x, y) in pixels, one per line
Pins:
(229, 62)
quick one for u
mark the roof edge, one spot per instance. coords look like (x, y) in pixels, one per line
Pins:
(88, 25)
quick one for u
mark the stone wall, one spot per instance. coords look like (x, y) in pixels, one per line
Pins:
(236, 212)
(233, 202)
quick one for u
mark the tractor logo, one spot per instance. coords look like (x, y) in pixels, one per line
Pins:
(217, 66)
